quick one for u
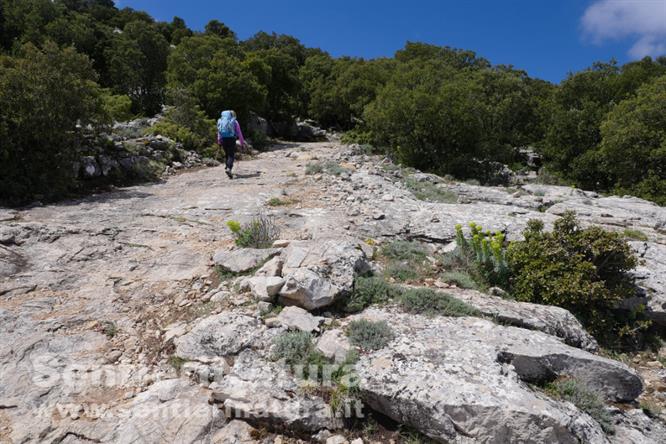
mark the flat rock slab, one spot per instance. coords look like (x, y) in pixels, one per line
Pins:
(225, 334)
(458, 378)
(549, 319)
(243, 260)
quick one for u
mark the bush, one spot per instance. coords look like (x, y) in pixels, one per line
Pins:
(295, 347)
(261, 232)
(368, 291)
(430, 302)
(584, 399)
(118, 107)
(582, 270)
(184, 122)
(634, 234)
(369, 335)
(46, 97)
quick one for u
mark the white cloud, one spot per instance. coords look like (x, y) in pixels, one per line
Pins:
(644, 20)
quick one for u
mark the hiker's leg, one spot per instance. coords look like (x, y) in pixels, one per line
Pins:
(229, 145)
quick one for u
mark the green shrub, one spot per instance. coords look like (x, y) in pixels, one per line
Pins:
(46, 97)
(298, 351)
(430, 192)
(118, 107)
(260, 232)
(582, 270)
(294, 347)
(368, 291)
(485, 252)
(278, 202)
(430, 302)
(369, 335)
(460, 279)
(584, 399)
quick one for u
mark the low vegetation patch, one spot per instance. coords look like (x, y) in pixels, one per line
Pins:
(369, 335)
(369, 291)
(260, 232)
(429, 302)
(405, 261)
(279, 202)
(460, 279)
(430, 192)
(328, 167)
(633, 234)
(583, 398)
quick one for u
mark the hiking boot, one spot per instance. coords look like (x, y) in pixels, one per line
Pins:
(228, 171)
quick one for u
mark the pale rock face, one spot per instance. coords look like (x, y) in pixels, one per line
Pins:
(137, 259)
(456, 378)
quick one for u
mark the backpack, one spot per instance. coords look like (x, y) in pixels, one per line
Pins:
(226, 126)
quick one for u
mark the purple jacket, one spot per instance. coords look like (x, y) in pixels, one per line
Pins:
(239, 134)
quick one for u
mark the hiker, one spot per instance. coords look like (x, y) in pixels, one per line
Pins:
(228, 131)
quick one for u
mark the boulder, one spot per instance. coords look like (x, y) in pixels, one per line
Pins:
(265, 393)
(333, 344)
(265, 288)
(243, 260)
(224, 334)
(299, 319)
(89, 167)
(463, 379)
(318, 272)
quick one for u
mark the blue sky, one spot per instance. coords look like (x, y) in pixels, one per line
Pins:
(547, 38)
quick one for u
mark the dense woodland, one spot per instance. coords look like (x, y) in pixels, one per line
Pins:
(71, 66)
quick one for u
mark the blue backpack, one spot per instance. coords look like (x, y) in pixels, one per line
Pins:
(226, 125)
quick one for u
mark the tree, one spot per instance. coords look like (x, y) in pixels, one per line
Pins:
(212, 70)
(46, 97)
(430, 117)
(137, 62)
(217, 28)
(633, 146)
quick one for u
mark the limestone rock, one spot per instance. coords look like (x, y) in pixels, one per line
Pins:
(272, 268)
(236, 432)
(220, 335)
(299, 319)
(242, 260)
(267, 394)
(334, 345)
(265, 288)
(443, 376)
(318, 272)
(549, 319)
